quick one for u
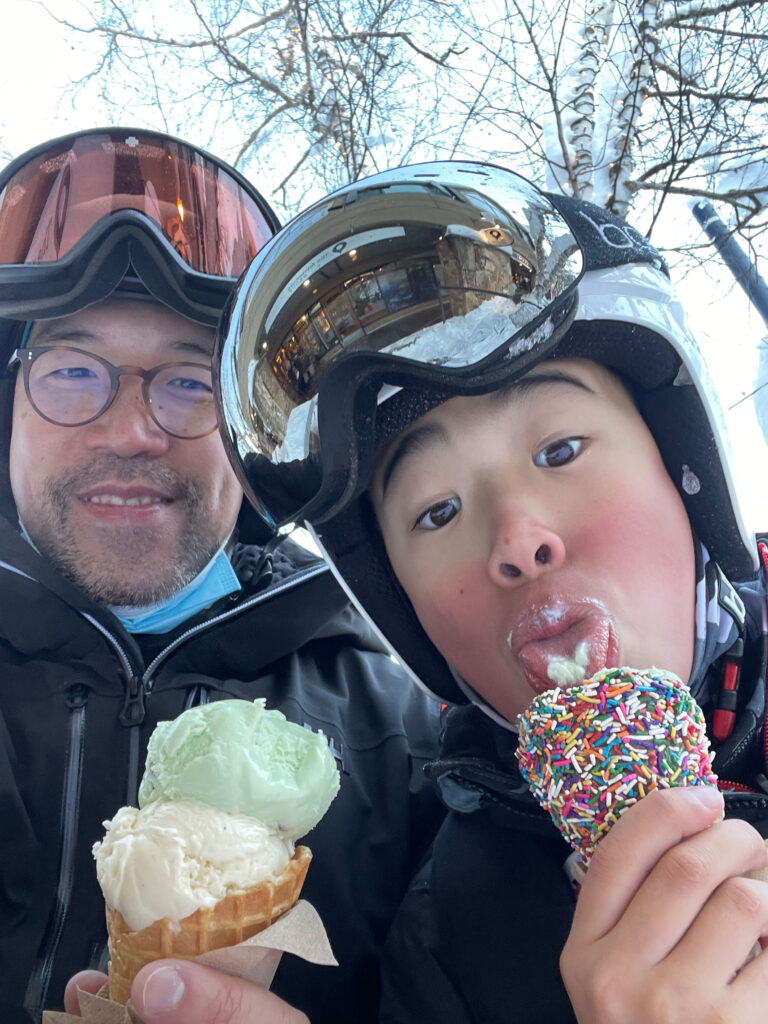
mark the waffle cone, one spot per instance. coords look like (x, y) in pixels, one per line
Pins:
(232, 920)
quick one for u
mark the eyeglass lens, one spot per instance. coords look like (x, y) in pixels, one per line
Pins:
(71, 387)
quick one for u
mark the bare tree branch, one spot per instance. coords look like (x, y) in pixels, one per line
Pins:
(627, 102)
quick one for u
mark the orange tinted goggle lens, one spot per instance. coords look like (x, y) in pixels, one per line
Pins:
(202, 210)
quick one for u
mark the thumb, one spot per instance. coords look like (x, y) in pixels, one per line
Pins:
(180, 992)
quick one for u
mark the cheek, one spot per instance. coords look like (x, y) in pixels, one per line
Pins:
(640, 556)
(206, 462)
(209, 466)
(609, 536)
(34, 455)
(638, 533)
(452, 608)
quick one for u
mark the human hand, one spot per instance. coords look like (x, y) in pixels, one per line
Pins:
(664, 920)
(180, 992)
(88, 981)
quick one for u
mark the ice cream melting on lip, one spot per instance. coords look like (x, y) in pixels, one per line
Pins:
(561, 641)
(569, 671)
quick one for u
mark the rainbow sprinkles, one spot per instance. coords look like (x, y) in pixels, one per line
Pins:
(590, 751)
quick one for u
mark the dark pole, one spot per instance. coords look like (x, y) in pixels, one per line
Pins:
(734, 258)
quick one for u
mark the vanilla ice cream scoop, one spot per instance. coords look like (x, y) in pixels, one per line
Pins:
(173, 857)
(209, 860)
(237, 756)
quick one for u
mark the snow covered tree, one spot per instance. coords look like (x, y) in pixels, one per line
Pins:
(296, 93)
(625, 102)
(647, 97)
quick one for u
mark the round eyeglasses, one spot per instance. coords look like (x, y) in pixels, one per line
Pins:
(72, 387)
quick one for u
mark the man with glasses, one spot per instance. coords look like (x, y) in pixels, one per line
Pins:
(136, 501)
(134, 581)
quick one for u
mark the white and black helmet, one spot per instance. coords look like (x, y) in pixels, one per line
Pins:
(423, 283)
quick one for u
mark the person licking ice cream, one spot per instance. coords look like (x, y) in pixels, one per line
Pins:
(515, 461)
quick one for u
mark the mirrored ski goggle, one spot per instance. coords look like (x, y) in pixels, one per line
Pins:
(72, 387)
(445, 273)
(50, 198)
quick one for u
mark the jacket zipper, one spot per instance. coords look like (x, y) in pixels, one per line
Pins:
(132, 714)
(299, 577)
(37, 989)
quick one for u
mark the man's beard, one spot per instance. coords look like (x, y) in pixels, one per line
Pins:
(115, 580)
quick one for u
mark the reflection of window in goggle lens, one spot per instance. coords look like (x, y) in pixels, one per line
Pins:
(206, 215)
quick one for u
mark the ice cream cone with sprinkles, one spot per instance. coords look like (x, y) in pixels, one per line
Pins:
(590, 751)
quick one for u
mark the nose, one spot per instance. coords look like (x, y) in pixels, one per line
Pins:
(523, 548)
(127, 427)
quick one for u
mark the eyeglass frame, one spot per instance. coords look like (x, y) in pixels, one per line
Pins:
(26, 358)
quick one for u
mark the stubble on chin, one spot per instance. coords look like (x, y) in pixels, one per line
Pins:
(124, 565)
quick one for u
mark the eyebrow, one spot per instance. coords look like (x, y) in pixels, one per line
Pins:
(525, 385)
(420, 437)
(184, 345)
(51, 332)
(73, 335)
(414, 441)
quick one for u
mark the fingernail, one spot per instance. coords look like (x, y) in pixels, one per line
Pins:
(707, 796)
(162, 990)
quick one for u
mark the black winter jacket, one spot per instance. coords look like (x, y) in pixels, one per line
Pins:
(479, 936)
(79, 698)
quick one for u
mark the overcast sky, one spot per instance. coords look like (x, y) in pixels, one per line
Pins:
(37, 60)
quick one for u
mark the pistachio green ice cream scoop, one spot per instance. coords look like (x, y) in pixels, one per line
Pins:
(239, 757)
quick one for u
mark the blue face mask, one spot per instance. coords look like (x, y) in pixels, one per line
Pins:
(215, 581)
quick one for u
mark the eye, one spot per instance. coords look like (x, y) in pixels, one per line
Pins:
(559, 453)
(190, 384)
(438, 515)
(71, 373)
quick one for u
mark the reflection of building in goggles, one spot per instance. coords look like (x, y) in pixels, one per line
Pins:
(368, 311)
(355, 312)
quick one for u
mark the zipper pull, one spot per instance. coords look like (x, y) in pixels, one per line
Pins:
(77, 697)
(133, 706)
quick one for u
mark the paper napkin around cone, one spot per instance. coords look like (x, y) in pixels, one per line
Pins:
(300, 932)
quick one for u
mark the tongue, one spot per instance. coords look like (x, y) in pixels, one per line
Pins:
(588, 643)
